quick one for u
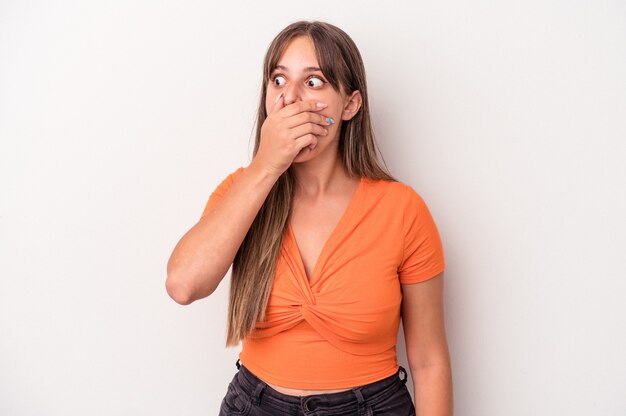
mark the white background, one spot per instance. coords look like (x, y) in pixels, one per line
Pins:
(118, 119)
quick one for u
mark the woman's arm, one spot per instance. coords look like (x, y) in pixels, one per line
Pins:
(427, 346)
(204, 254)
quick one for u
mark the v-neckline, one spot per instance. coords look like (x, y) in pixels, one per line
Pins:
(344, 217)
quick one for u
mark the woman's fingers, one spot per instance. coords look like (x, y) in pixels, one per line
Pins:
(308, 128)
(280, 103)
(299, 107)
(308, 140)
(287, 130)
(307, 117)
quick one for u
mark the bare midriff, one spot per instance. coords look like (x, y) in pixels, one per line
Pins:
(297, 392)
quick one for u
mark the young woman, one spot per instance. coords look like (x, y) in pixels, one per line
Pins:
(328, 251)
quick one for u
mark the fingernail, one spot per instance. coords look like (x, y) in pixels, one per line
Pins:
(279, 95)
(330, 120)
(322, 105)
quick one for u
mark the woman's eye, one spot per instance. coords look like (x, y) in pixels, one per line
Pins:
(277, 77)
(315, 82)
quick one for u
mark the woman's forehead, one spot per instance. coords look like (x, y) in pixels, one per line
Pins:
(299, 54)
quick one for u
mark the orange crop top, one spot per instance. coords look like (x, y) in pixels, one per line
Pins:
(339, 329)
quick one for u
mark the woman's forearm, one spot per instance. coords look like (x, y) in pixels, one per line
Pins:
(433, 390)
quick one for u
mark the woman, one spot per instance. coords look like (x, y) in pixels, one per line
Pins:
(328, 251)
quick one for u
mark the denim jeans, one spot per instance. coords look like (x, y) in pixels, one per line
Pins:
(248, 395)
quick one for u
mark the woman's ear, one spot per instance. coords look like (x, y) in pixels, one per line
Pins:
(352, 105)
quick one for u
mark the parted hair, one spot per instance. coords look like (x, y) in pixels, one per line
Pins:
(255, 261)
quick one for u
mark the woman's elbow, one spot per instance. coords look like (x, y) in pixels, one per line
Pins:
(183, 293)
(178, 291)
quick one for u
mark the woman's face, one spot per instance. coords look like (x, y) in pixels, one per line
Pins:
(298, 76)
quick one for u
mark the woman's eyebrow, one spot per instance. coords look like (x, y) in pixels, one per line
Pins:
(307, 69)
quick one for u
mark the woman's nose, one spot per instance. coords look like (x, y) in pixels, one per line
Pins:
(293, 93)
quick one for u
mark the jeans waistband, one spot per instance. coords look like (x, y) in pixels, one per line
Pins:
(255, 387)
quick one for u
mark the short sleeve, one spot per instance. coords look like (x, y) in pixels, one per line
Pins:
(221, 189)
(423, 250)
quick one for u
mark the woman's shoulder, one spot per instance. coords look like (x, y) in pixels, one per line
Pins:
(394, 195)
(235, 173)
(390, 188)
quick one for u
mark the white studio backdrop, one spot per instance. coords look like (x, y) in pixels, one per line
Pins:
(118, 118)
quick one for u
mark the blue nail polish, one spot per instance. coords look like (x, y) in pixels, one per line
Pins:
(330, 120)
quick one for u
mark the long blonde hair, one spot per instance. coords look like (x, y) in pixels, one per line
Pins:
(255, 262)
